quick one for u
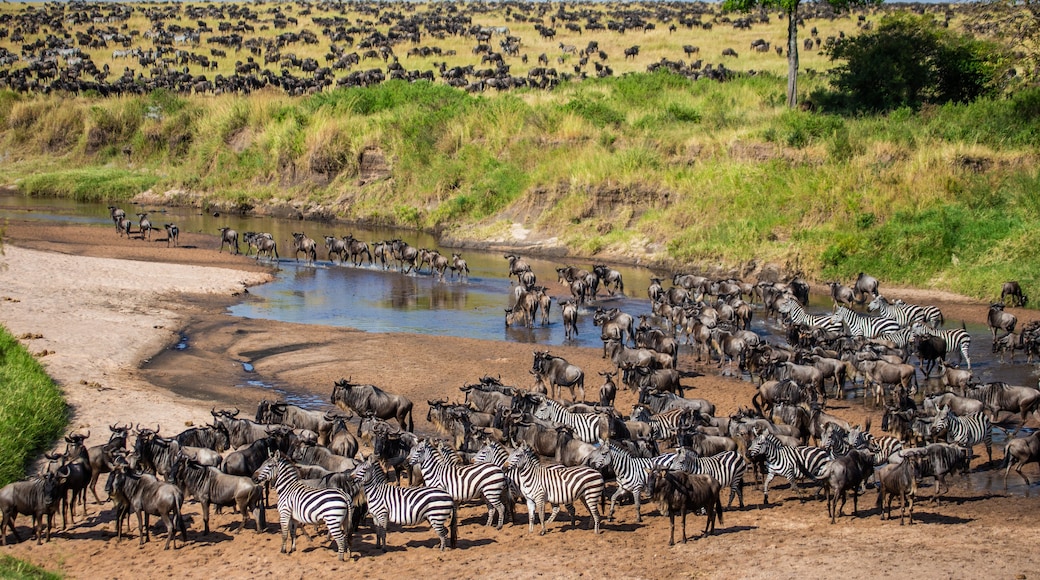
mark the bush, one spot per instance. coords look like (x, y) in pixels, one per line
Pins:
(910, 61)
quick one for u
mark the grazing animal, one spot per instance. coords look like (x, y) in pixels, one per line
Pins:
(147, 496)
(463, 482)
(587, 427)
(306, 505)
(866, 326)
(459, 266)
(1014, 290)
(610, 278)
(369, 399)
(793, 463)
(405, 505)
(631, 473)
(211, 487)
(845, 473)
(1000, 396)
(943, 459)
(957, 339)
(966, 431)
(173, 235)
(865, 284)
(144, 225)
(608, 390)
(558, 486)
(1020, 452)
(230, 237)
(570, 318)
(906, 315)
(676, 491)
(335, 247)
(728, 468)
(308, 246)
(36, 497)
(841, 295)
(998, 320)
(556, 373)
(900, 479)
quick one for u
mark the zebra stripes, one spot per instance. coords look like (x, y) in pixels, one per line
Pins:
(933, 317)
(556, 485)
(462, 482)
(306, 505)
(798, 316)
(631, 473)
(585, 426)
(957, 339)
(904, 314)
(866, 326)
(966, 431)
(789, 462)
(727, 468)
(405, 505)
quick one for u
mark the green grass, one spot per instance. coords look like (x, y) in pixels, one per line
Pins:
(88, 183)
(15, 569)
(33, 414)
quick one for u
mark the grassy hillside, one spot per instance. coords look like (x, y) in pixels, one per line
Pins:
(649, 167)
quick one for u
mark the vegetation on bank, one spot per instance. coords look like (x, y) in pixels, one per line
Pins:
(648, 166)
(33, 414)
(15, 569)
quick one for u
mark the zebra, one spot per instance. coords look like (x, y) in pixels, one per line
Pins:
(797, 315)
(306, 505)
(493, 452)
(462, 482)
(904, 314)
(556, 485)
(587, 427)
(793, 463)
(957, 339)
(932, 315)
(662, 425)
(727, 468)
(405, 505)
(866, 326)
(966, 431)
(631, 473)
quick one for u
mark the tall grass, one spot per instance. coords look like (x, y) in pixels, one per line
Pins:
(33, 414)
(89, 183)
(15, 569)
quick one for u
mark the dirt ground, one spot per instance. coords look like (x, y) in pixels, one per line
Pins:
(108, 309)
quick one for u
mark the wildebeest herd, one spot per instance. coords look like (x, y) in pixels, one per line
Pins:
(506, 444)
(226, 47)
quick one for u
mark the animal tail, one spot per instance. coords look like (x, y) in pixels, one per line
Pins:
(755, 400)
(718, 507)
(411, 425)
(454, 526)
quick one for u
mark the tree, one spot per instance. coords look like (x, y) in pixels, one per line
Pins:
(790, 8)
(909, 61)
(1014, 22)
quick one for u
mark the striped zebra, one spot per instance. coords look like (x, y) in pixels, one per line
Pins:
(405, 505)
(957, 339)
(966, 431)
(306, 505)
(932, 315)
(866, 326)
(555, 485)
(727, 468)
(796, 315)
(462, 482)
(792, 463)
(587, 427)
(905, 314)
(631, 472)
(662, 425)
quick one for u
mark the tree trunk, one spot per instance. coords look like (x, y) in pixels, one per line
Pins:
(792, 56)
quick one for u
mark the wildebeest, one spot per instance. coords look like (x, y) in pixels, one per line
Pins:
(940, 460)
(841, 295)
(230, 237)
(517, 266)
(865, 284)
(1001, 396)
(102, 457)
(1014, 290)
(608, 390)
(845, 473)
(210, 486)
(1019, 452)
(144, 225)
(556, 372)
(677, 491)
(308, 246)
(459, 266)
(335, 247)
(147, 496)
(294, 416)
(610, 278)
(36, 497)
(900, 479)
(173, 234)
(570, 318)
(369, 399)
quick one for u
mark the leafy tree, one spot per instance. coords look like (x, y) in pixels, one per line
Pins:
(909, 61)
(790, 8)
